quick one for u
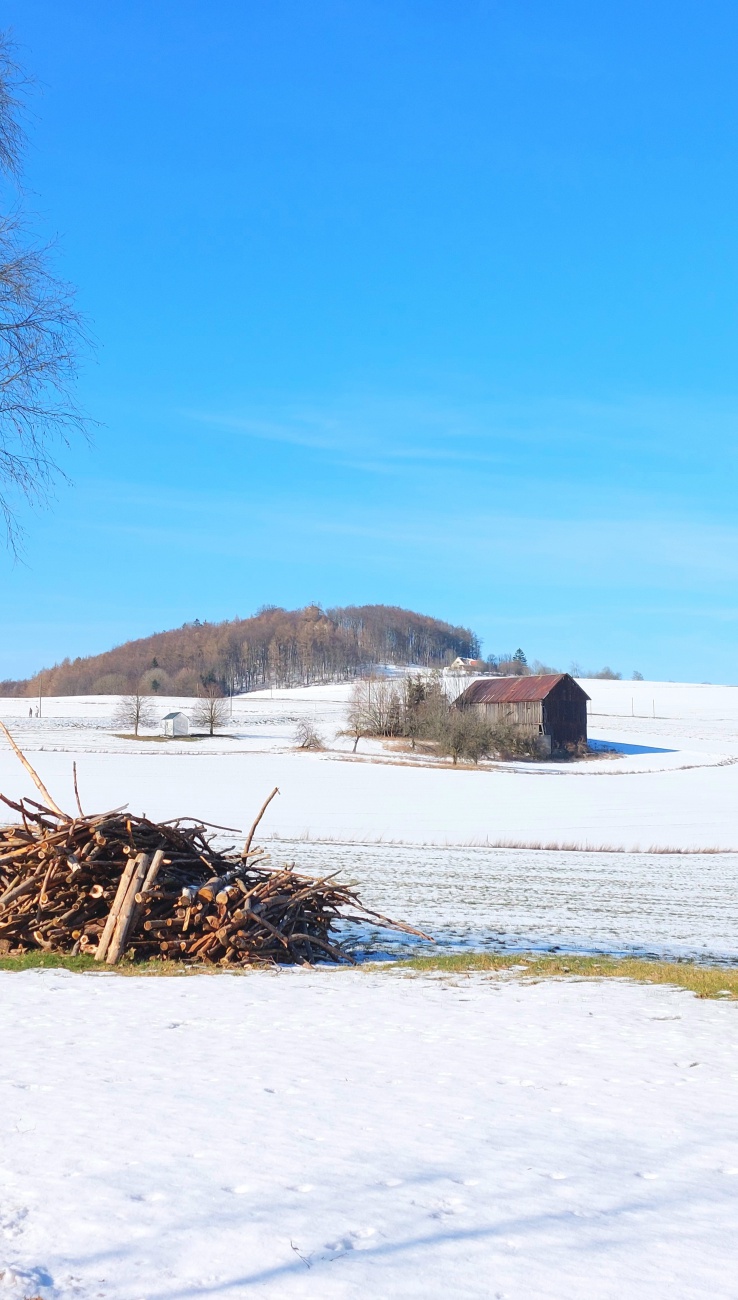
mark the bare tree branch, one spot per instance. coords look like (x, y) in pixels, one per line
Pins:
(42, 337)
(13, 82)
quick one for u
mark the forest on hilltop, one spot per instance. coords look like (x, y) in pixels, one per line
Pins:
(276, 646)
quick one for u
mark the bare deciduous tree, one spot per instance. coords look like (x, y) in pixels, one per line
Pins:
(211, 710)
(356, 717)
(41, 334)
(134, 711)
(375, 708)
(359, 719)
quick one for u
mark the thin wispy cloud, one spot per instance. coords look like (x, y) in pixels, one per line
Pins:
(423, 426)
(596, 550)
(638, 454)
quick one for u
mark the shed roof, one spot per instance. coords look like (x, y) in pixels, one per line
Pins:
(168, 716)
(511, 690)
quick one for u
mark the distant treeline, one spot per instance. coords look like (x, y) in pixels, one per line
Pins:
(277, 646)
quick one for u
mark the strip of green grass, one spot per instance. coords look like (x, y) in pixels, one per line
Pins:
(704, 981)
(45, 960)
(59, 960)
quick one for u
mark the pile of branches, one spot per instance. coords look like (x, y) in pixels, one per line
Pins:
(116, 885)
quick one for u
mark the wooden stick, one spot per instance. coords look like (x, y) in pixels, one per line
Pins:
(35, 777)
(76, 791)
(153, 870)
(386, 923)
(149, 880)
(235, 830)
(122, 924)
(335, 953)
(46, 880)
(19, 890)
(107, 933)
(261, 812)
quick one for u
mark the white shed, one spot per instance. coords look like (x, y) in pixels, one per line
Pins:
(176, 724)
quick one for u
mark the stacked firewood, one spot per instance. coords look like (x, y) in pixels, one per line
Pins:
(115, 885)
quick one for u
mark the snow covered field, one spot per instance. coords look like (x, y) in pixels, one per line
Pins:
(410, 832)
(676, 784)
(671, 906)
(355, 1134)
(369, 1133)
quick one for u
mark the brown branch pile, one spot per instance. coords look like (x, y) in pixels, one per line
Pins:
(115, 884)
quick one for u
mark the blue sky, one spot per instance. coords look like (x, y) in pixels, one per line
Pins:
(425, 303)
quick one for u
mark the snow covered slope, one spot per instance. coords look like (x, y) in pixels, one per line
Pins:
(341, 1134)
(676, 783)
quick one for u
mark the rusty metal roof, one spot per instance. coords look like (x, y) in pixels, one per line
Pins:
(511, 690)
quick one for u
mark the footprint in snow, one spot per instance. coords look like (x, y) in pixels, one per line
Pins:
(11, 1220)
(341, 1246)
(452, 1205)
(359, 1239)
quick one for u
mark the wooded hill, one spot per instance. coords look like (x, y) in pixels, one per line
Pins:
(279, 646)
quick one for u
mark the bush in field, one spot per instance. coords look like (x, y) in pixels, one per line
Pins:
(603, 674)
(307, 735)
(509, 741)
(467, 736)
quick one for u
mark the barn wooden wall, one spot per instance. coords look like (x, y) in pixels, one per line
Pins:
(526, 714)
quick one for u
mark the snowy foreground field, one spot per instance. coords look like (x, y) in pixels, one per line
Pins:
(364, 1134)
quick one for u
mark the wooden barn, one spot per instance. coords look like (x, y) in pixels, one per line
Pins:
(552, 706)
